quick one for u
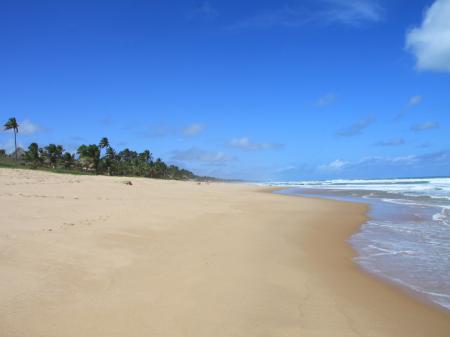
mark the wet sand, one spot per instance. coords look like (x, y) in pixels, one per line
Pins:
(92, 256)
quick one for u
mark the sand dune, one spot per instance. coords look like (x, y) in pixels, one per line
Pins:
(91, 256)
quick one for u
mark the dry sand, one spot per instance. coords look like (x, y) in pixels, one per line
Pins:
(93, 257)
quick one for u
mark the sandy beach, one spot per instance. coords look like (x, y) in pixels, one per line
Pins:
(92, 256)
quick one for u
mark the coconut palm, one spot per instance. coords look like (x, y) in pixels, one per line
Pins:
(104, 143)
(68, 159)
(110, 153)
(89, 157)
(12, 124)
(160, 168)
(33, 156)
(145, 156)
(110, 160)
(53, 154)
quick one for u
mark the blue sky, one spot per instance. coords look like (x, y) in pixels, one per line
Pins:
(263, 90)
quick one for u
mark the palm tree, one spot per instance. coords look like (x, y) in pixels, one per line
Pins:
(89, 156)
(33, 156)
(104, 143)
(160, 168)
(12, 124)
(68, 159)
(110, 153)
(110, 160)
(53, 153)
(145, 156)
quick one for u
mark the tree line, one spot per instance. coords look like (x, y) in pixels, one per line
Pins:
(98, 158)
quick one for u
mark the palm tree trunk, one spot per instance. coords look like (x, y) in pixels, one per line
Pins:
(15, 143)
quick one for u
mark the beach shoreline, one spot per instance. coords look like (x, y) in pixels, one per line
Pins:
(92, 256)
(371, 217)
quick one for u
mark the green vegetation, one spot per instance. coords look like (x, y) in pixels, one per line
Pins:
(91, 159)
(11, 124)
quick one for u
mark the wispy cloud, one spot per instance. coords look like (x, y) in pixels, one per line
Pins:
(380, 160)
(201, 156)
(356, 128)
(425, 126)
(430, 43)
(424, 145)
(204, 10)
(326, 100)
(245, 143)
(281, 17)
(391, 142)
(157, 131)
(287, 168)
(353, 12)
(415, 100)
(28, 128)
(346, 12)
(193, 129)
(164, 130)
(412, 102)
(339, 165)
(335, 165)
(386, 164)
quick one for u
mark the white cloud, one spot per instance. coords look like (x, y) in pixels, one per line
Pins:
(391, 142)
(379, 166)
(415, 100)
(336, 165)
(402, 159)
(412, 102)
(28, 128)
(373, 161)
(430, 42)
(425, 126)
(157, 131)
(356, 128)
(326, 100)
(164, 130)
(193, 129)
(245, 143)
(197, 155)
(353, 12)
(346, 12)
(286, 168)
(205, 10)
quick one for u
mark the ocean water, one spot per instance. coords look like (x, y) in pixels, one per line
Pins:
(407, 239)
